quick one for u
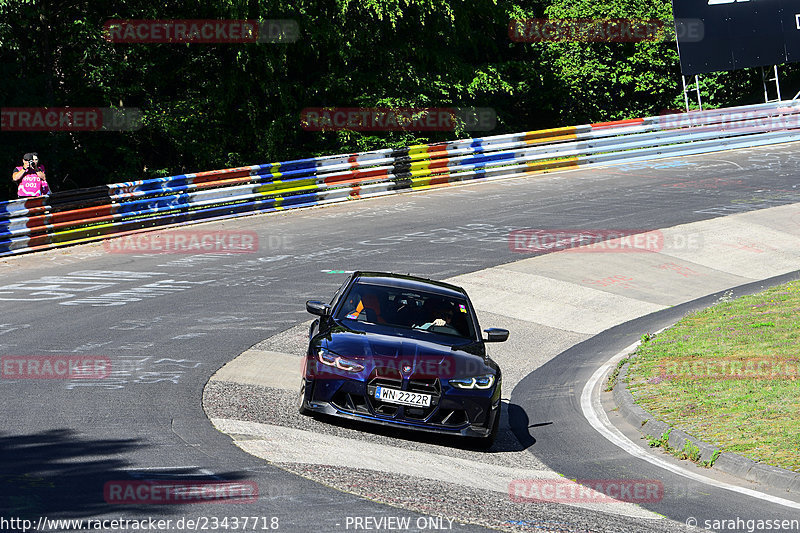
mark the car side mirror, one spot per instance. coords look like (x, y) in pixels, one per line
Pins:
(496, 335)
(318, 308)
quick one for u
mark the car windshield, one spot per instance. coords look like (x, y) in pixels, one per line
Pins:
(407, 309)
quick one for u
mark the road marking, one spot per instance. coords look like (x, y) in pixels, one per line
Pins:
(594, 413)
(279, 444)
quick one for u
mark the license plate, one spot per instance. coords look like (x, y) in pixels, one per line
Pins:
(412, 399)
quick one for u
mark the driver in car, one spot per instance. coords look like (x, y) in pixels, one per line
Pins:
(445, 315)
(442, 317)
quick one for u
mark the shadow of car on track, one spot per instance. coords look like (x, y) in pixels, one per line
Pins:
(520, 425)
(59, 474)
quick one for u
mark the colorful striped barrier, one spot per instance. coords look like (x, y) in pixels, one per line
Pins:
(86, 215)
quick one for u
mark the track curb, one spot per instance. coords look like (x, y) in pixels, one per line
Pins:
(730, 463)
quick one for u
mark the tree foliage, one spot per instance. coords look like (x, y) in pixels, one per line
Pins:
(208, 106)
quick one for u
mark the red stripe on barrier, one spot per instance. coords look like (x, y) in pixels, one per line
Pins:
(218, 175)
(441, 180)
(35, 222)
(438, 155)
(436, 148)
(441, 163)
(33, 203)
(61, 219)
(81, 214)
(39, 240)
(356, 176)
(614, 123)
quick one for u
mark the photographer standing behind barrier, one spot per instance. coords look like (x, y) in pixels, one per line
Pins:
(31, 177)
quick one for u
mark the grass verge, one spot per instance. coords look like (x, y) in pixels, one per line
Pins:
(730, 376)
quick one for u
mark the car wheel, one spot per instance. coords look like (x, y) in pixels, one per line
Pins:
(301, 399)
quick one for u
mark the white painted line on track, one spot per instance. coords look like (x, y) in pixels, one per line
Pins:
(279, 444)
(594, 413)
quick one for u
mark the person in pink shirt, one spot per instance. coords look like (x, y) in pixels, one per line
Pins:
(31, 177)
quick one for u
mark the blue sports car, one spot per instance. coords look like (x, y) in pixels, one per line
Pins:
(402, 351)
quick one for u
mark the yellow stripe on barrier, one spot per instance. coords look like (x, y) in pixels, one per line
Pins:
(79, 234)
(419, 156)
(420, 165)
(417, 149)
(568, 133)
(544, 166)
(420, 173)
(283, 186)
(418, 184)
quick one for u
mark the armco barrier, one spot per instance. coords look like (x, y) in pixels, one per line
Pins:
(85, 215)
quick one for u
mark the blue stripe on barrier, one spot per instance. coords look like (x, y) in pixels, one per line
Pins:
(476, 143)
(508, 156)
(167, 184)
(300, 164)
(150, 205)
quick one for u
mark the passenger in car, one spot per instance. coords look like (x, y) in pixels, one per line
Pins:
(372, 307)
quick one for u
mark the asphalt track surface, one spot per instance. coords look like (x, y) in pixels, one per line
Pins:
(168, 322)
(553, 392)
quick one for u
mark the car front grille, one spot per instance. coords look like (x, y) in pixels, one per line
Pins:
(352, 402)
(380, 407)
(398, 412)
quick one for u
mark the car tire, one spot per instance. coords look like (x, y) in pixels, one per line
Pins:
(301, 400)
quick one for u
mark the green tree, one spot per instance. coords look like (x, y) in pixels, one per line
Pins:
(211, 106)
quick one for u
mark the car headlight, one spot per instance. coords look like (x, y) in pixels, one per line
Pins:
(479, 382)
(331, 359)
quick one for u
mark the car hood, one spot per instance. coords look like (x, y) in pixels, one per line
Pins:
(390, 354)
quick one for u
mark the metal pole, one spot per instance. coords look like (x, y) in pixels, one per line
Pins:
(777, 83)
(697, 88)
(686, 92)
(683, 78)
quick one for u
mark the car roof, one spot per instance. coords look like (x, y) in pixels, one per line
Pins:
(407, 281)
